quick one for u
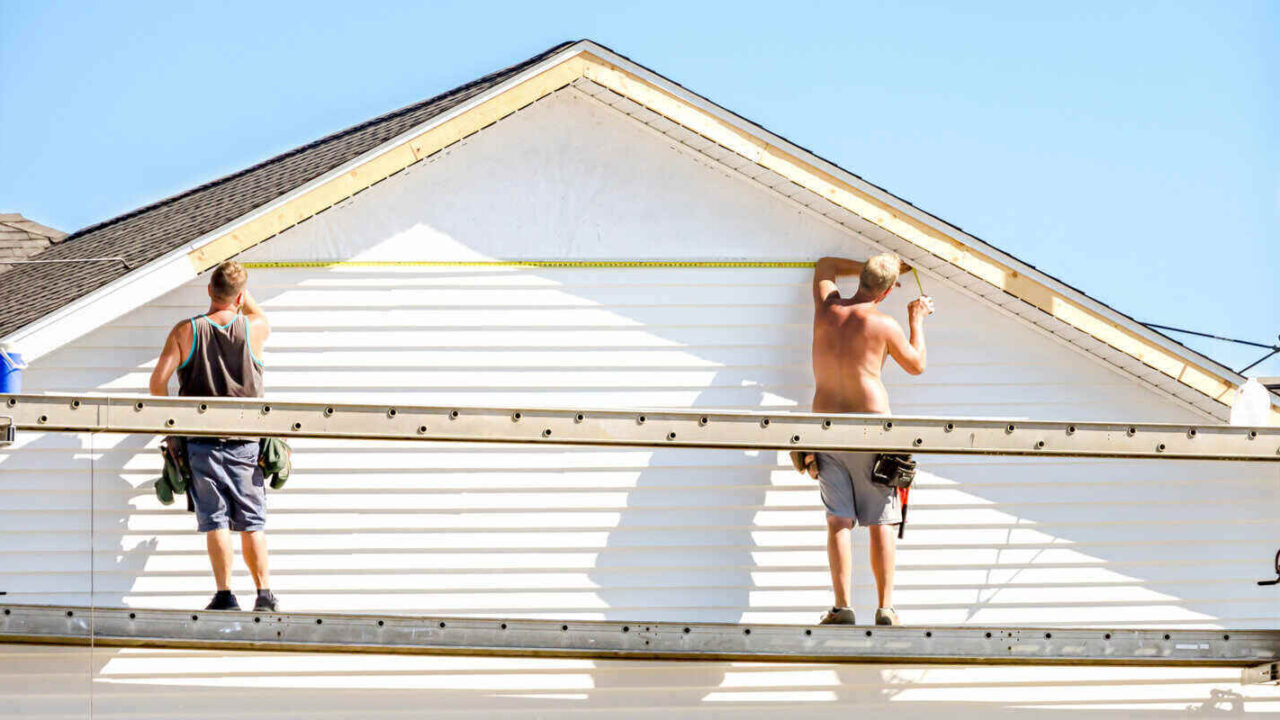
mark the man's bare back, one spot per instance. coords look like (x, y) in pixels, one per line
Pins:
(852, 339)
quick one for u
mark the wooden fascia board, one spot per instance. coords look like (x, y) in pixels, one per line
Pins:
(908, 228)
(386, 163)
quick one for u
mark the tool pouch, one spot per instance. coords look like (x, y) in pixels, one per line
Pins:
(894, 470)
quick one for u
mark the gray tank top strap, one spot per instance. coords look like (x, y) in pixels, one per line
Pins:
(221, 361)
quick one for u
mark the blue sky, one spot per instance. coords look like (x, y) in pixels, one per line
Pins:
(1130, 149)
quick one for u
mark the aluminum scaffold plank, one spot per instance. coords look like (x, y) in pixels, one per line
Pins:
(647, 428)
(236, 630)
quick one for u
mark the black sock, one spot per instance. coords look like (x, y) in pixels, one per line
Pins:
(264, 592)
(222, 595)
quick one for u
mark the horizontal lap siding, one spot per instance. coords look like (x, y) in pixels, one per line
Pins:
(622, 533)
(633, 533)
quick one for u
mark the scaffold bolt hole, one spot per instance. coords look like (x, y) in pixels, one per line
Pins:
(453, 415)
(170, 422)
(868, 633)
(328, 412)
(703, 420)
(266, 409)
(1166, 636)
(747, 631)
(381, 623)
(44, 419)
(391, 412)
(132, 616)
(564, 627)
(764, 423)
(671, 436)
(808, 632)
(257, 619)
(203, 407)
(137, 406)
(686, 630)
(1191, 433)
(1010, 428)
(12, 402)
(1160, 447)
(888, 426)
(1039, 444)
(1048, 636)
(319, 621)
(516, 416)
(442, 624)
(949, 427)
(928, 633)
(70, 613)
(579, 417)
(546, 433)
(918, 442)
(195, 617)
(422, 429)
(6, 612)
(826, 424)
(1071, 429)
(1226, 637)
(795, 438)
(297, 426)
(503, 626)
(640, 419)
(1253, 434)
(1131, 431)
(626, 628)
(988, 636)
(1107, 636)
(75, 404)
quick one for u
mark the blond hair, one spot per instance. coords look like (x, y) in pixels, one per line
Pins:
(228, 280)
(879, 273)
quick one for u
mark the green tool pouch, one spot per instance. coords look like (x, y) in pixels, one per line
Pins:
(275, 457)
(894, 470)
(176, 476)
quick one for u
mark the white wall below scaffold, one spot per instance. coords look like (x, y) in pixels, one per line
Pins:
(622, 533)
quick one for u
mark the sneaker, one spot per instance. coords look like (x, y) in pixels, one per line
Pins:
(266, 602)
(886, 616)
(223, 600)
(838, 616)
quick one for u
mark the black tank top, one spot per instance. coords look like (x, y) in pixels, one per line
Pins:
(221, 362)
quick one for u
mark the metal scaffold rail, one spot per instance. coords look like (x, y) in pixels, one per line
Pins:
(655, 428)
(235, 630)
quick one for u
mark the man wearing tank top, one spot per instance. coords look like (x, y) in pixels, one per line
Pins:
(218, 354)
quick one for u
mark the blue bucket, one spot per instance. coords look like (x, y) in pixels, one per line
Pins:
(11, 367)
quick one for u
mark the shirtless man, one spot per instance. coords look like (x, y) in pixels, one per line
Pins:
(851, 339)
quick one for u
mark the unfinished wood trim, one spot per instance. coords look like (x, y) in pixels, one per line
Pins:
(394, 160)
(908, 228)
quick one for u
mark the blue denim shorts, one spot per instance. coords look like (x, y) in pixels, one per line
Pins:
(848, 491)
(226, 484)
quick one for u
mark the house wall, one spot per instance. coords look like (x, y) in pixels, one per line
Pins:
(622, 533)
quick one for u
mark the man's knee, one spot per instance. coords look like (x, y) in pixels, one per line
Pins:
(836, 523)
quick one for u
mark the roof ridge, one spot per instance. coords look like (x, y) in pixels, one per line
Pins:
(315, 143)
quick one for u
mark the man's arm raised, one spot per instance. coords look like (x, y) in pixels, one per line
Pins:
(825, 273)
(259, 328)
(910, 354)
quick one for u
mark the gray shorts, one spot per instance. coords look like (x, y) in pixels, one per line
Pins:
(848, 492)
(226, 484)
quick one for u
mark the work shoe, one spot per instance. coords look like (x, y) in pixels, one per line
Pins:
(223, 600)
(266, 602)
(838, 616)
(886, 616)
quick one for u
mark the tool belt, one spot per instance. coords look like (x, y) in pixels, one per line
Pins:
(896, 471)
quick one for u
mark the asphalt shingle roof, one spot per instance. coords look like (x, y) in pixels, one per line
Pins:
(149, 232)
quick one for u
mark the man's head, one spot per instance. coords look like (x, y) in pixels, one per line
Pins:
(227, 282)
(879, 275)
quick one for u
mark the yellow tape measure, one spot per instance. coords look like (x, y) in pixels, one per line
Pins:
(531, 263)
